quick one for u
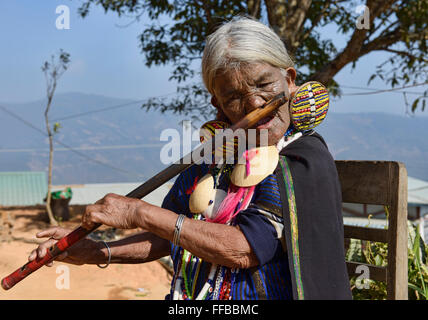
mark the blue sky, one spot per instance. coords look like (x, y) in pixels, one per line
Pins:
(106, 59)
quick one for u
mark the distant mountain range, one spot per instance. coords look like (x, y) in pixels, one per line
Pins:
(379, 136)
(121, 143)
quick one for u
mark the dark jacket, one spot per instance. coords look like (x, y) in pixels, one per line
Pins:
(318, 268)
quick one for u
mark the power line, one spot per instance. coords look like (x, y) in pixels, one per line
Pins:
(377, 89)
(386, 90)
(373, 91)
(81, 114)
(114, 147)
(29, 124)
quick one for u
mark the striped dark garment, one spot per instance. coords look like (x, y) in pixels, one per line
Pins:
(262, 225)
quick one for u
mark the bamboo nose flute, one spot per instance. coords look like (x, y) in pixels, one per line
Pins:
(153, 183)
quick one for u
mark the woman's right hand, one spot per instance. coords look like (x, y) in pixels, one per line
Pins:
(84, 251)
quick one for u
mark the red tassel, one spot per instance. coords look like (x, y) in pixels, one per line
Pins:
(193, 187)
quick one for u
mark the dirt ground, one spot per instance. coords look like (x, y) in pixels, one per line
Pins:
(148, 281)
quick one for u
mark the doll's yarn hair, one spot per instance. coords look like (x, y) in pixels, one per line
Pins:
(237, 199)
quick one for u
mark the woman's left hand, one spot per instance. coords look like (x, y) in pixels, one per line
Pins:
(115, 211)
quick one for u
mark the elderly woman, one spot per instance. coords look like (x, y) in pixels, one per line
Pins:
(280, 245)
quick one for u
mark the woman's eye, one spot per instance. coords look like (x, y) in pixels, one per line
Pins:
(232, 98)
(264, 85)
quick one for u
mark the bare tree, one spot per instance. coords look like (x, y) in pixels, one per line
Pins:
(53, 70)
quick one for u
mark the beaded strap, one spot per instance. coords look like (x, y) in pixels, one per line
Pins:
(289, 186)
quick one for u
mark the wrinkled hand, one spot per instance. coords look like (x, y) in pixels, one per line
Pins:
(115, 211)
(80, 253)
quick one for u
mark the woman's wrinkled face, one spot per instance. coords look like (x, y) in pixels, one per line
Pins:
(237, 92)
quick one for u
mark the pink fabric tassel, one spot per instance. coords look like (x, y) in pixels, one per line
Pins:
(248, 155)
(228, 208)
(247, 166)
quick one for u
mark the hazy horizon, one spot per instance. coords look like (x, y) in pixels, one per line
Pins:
(106, 59)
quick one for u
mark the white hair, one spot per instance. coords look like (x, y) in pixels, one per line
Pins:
(242, 40)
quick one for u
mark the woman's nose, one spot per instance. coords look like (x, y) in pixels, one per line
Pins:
(253, 102)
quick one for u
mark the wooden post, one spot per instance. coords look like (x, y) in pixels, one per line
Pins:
(397, 278)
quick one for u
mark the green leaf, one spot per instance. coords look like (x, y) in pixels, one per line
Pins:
(420, 290)
(378, 260)
(372, 77)
(415, 105)
(56, 127)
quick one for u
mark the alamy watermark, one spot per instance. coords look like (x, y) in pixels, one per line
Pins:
(62, 22)
(226, 147)
(63, 280)
(363, 21)
(361, 282)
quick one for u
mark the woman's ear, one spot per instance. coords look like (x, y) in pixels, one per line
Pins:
(220, 114)
(290, 77)
(214, 102)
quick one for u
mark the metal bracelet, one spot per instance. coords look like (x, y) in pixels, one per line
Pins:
(177, 230)
(109, 256)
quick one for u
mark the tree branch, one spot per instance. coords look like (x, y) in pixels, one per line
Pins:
(315, 22)
(254, 8)
(381, 24)
(207, 11)
(355, 47)
(404, 53)
(277, 13)
(298, 13)
(287, 19)
(384, 41)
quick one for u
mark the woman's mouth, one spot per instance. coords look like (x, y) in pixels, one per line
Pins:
(264, 123)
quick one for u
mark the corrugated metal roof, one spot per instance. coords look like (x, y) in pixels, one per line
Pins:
(22, 188)
(417, 191)
(29, 188)
(84, 194)
(365, 222)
